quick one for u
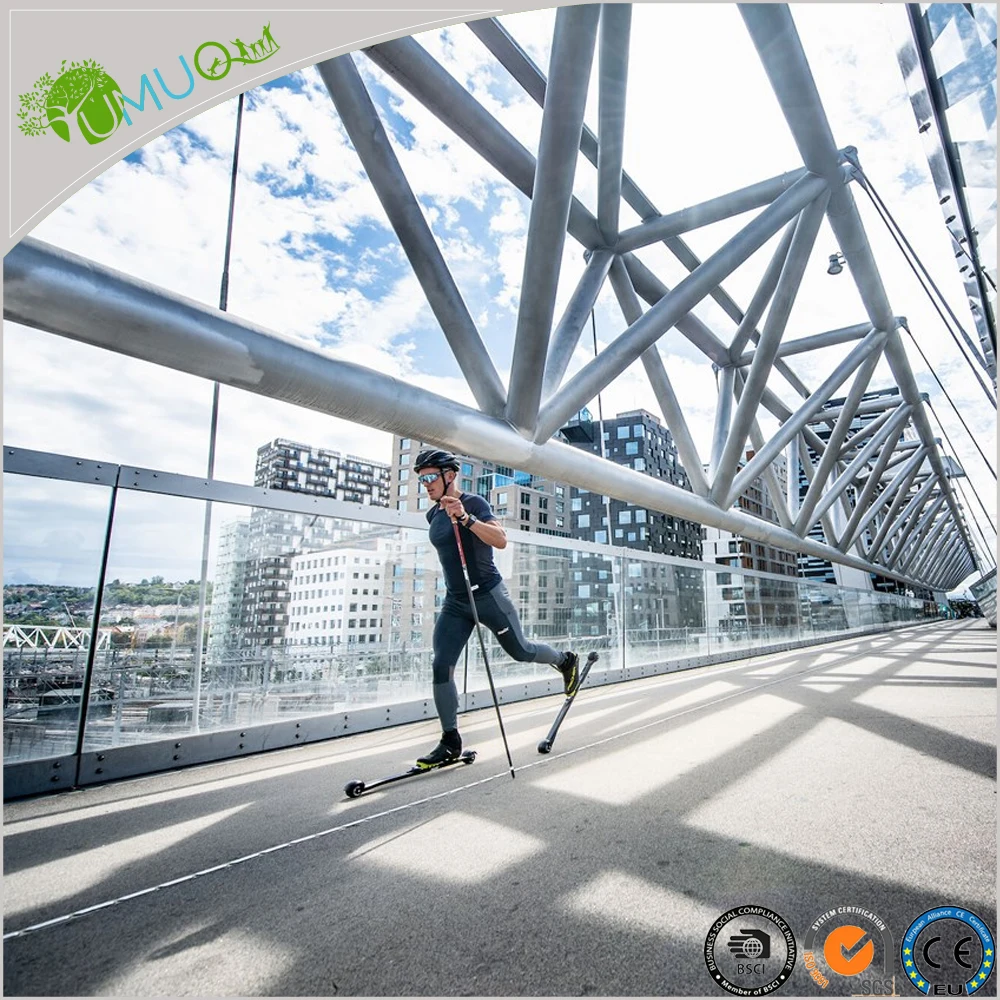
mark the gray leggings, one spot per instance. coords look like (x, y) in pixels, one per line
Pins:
(452, 630)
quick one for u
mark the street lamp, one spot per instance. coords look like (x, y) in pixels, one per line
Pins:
(837, 262)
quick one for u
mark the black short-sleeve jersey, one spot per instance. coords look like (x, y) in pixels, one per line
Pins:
(479, 556)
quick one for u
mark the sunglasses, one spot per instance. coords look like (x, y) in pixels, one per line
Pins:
(428, 477)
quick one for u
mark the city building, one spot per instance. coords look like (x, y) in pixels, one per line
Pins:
(640, 441)
(645, 607)
(273, 539)
(300, 468)
(228, 583)
(520, 500)
(336, 598)
(735, 602)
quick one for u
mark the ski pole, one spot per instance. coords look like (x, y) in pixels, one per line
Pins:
(482, 644)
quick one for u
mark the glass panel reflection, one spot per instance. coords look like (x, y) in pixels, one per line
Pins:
(52, 542)
(665, 612)
(565, 597)
(303, 614)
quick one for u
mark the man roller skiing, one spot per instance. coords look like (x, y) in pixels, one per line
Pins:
(480, 533)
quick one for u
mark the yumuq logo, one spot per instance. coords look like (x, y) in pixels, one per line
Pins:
(84, 99)
(83, 95)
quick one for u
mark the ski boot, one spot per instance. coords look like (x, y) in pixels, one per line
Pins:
(449, 748)
(571, 674)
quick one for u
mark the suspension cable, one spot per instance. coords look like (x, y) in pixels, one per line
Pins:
(953, 406)
(900, 240)
(971, 486)
(975, 520)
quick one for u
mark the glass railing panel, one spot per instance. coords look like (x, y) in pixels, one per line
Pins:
(53, 539)
(728, 624)
(779, 610)
(312, 614)
(826, 610)
(852, 609)
(303, 615)
(665, 612)
(565, 597)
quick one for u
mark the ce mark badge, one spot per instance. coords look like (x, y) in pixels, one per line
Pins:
(948, 952)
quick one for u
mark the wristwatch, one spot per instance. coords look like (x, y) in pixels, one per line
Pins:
(470, 520)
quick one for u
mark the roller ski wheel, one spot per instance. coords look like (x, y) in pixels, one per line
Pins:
(545, 746)
(354, 788)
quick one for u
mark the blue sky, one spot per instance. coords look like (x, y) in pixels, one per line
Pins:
(315, 260)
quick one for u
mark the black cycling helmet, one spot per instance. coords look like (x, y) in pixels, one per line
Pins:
(434, 458)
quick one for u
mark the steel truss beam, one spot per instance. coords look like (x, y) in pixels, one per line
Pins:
(75, 298)
(63, 294)
(773, 33)
(908, 547)
(867, 506)
(552, 194)
(365, 129)
(815, 342)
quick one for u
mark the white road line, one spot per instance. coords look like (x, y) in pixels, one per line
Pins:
(64, 918)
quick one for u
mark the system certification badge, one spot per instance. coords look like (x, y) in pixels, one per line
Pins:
(750, 951)
(850, 943)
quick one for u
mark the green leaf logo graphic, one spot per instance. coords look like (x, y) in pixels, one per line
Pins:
(83, 94)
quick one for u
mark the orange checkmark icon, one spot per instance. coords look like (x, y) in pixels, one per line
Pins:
(848, 950)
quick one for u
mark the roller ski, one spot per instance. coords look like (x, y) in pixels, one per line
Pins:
(573, 685)
(447, 752)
